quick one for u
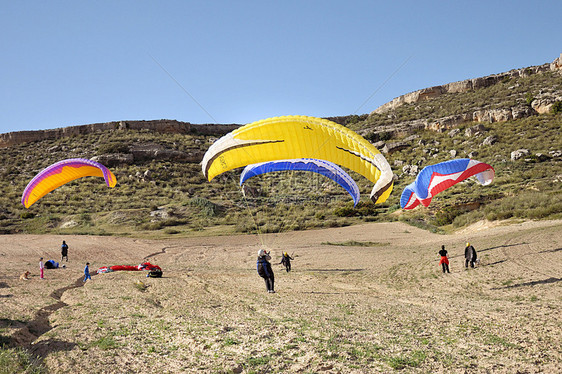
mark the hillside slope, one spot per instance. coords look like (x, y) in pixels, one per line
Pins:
(161, 190)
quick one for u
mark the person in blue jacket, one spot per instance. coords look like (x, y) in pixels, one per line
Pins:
(265, 271)
(87, 272)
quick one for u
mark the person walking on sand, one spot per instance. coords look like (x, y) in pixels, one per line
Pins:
(87, 272)
(41, 268)
(64, 251)
(469, 256)
(444, 262)
(286, 260)
(265, 271)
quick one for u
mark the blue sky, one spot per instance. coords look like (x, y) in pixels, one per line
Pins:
(66, 63)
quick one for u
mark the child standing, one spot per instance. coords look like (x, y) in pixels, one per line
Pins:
(41, 268)
(87, 272)
(444, 262)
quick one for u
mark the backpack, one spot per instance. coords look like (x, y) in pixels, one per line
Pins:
(262, 267)
(155, 273)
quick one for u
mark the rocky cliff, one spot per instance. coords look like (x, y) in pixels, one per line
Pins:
(161, 126)
(466, 85)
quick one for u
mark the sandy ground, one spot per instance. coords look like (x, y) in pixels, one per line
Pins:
(348, 309)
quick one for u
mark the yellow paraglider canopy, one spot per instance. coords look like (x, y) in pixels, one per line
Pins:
(300, 137)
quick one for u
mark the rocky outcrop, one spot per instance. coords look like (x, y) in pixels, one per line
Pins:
(516, 155)
(398, 129)
(394, 147)
(490, 140)
(449, 122)
(539, 106)
(466, 85)
(474, 130)
(151, 151)
(147, 152)
(543, 102)
(114, 159)
(161, 126)
(556, 64)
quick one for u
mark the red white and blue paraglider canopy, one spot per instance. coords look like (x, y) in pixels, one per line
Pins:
(437, 178)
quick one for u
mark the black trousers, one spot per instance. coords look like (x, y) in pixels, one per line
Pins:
(269, 282)
(445, 267)
(466, 261)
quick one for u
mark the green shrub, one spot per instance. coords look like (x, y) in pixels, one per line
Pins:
(206, 207)
(556, 107)
(345, 211)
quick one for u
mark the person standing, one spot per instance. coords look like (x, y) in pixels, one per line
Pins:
(41, 268)
(286, 260)
(87, 272)
(469, 255)
(64, 251)
(444, 262)
(265, 271)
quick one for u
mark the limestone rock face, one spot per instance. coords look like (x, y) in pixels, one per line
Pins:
(410, 169)
(393, 147)
(465, 85)
(474, 130)
(516, 155)
(521, 111)
(543, 103)
(162, 126)
(151, 151)
(148, 152)
(556, 64)
(490, 140)
(447, 123)
(114, 159)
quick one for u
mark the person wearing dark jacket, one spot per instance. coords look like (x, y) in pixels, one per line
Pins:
(286, 260)
(64, 251)
(469, 255)
(265, 271)
(444, 262)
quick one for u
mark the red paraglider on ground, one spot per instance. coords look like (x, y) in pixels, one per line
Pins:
(154, 271)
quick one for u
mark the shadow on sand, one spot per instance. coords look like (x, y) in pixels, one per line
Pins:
(333, 270)
(491, 248)
(493, 263)
(501, 246)
(533, 283)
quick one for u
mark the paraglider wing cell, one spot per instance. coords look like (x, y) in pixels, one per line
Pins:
(408, 199)
(61, 173)
(296, 137)
(326, 168)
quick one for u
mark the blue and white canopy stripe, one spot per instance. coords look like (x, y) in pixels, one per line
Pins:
(323, 167)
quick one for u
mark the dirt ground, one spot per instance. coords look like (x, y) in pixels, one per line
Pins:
(381, 307)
